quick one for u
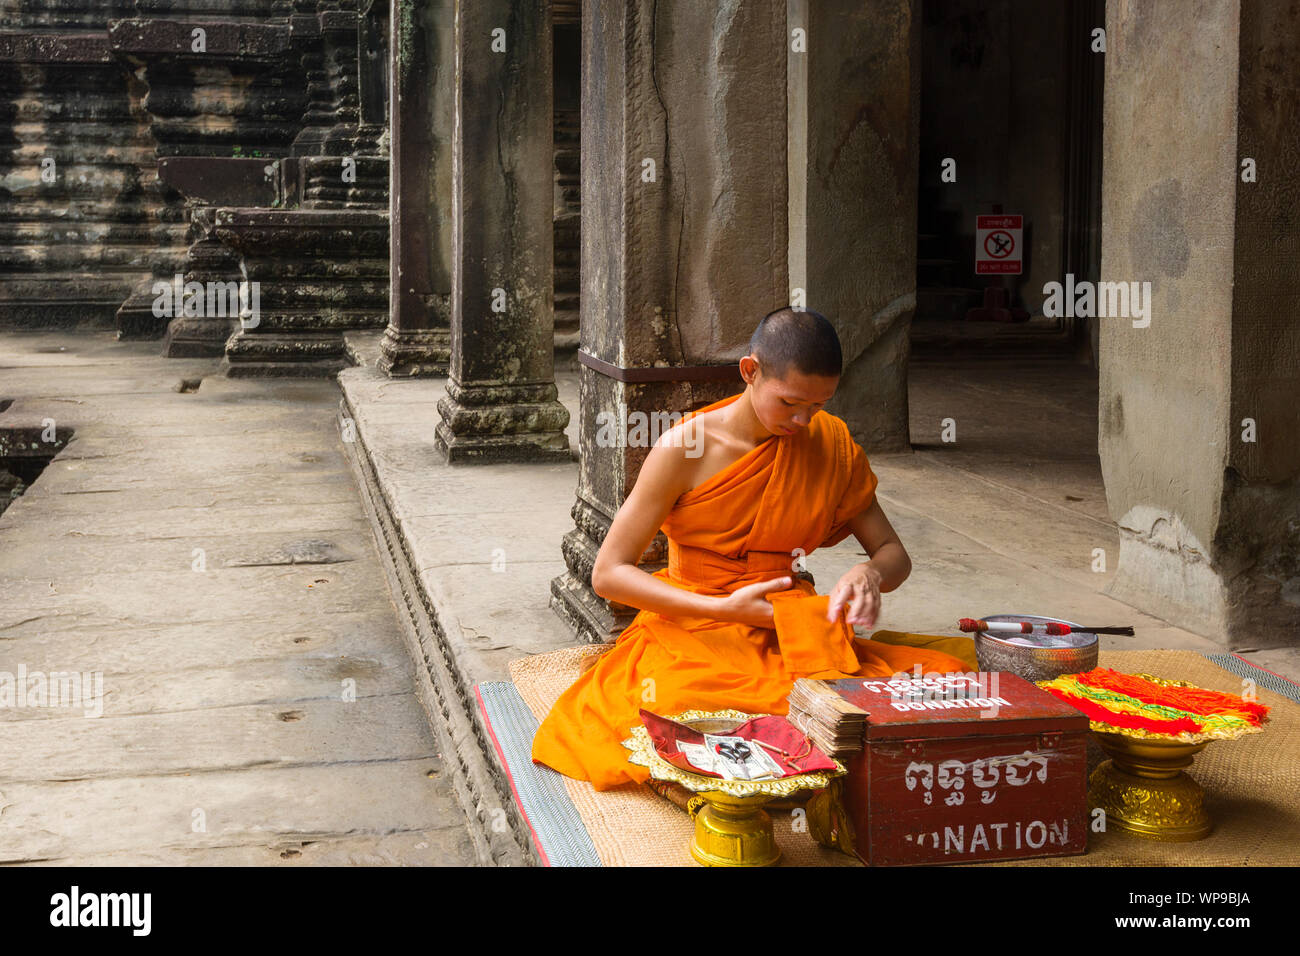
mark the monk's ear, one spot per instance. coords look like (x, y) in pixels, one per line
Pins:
(749, 368)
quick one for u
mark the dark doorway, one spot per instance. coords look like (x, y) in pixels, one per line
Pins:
(1011, 113)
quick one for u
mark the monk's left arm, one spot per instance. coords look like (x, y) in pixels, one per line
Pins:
(858, 590)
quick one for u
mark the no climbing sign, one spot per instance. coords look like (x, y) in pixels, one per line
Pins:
(997, 244)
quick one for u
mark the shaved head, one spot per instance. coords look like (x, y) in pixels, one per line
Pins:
(788, 340)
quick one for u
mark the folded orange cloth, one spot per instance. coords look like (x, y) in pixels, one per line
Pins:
(789, 495)
(810, 645)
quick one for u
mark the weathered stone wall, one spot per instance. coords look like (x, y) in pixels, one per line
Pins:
(724, 159)
(568, 159)
(1259, 536)
(220, 82)
(679, 258)
(77, 235)
(103, 89)
(322, 261)
(1207, 520)
(1167, 213)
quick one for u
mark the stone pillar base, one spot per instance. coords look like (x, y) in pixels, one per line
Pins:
(1164, 570)
(588, 616)
(207, 260)
(594, 619)
(135, 318)
(500, 423)
(262, 355)
(191, 337)
(414, 353)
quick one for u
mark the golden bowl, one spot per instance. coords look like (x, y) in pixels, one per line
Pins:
(731, 826)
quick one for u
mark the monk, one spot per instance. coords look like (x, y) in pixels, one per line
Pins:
(742, 488)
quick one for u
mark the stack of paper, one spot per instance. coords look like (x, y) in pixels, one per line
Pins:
(834, 725)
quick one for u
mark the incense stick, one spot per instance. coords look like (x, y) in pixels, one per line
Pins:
(1054, 628)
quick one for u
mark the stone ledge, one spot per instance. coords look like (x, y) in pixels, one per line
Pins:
(449, 662)
(24, 47)
(163, 37)
(463, 622)
(479, 786)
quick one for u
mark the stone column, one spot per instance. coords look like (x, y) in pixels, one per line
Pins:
(1198, 408)
(684, 240)
(855, 132)
(418, 338)
(501, 402)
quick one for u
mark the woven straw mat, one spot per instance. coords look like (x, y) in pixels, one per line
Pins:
(1252, 785)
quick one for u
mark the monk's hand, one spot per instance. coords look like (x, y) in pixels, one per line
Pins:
(858, 594)
(749, 605)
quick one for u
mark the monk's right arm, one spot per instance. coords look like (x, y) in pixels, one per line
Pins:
(628, 584)
(615, 576)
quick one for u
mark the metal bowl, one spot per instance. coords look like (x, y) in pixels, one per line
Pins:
(1035, 656)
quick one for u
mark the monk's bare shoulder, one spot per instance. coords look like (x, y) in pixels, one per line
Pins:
(682, 448)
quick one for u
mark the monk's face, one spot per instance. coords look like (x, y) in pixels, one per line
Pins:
(786, 405)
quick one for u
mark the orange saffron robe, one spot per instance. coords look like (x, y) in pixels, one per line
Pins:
(743, 524)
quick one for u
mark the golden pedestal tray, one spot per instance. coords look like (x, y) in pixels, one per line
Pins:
(1142, 787)
(731, 826)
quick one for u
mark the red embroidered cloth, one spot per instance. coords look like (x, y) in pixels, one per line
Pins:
(788, 747)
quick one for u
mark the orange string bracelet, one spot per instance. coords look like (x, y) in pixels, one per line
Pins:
(1194, 700)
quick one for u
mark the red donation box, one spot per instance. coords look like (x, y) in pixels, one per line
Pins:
(962, 768)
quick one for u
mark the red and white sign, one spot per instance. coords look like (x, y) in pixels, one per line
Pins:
(998, 241)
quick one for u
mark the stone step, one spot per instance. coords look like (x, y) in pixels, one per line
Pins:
(328, 270)
(89, 180)
(318, 320)
(337, 290)
(72, 257)
(15, 235)
(91, 211)
(568, 162)
(263, 355)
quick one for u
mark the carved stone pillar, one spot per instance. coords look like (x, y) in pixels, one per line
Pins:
(418, 338)
(321, 261)
(855, 115)
(1197, 396)
(501, 402)
(684, 239)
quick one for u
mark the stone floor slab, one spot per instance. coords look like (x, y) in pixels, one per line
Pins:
(262, 711)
